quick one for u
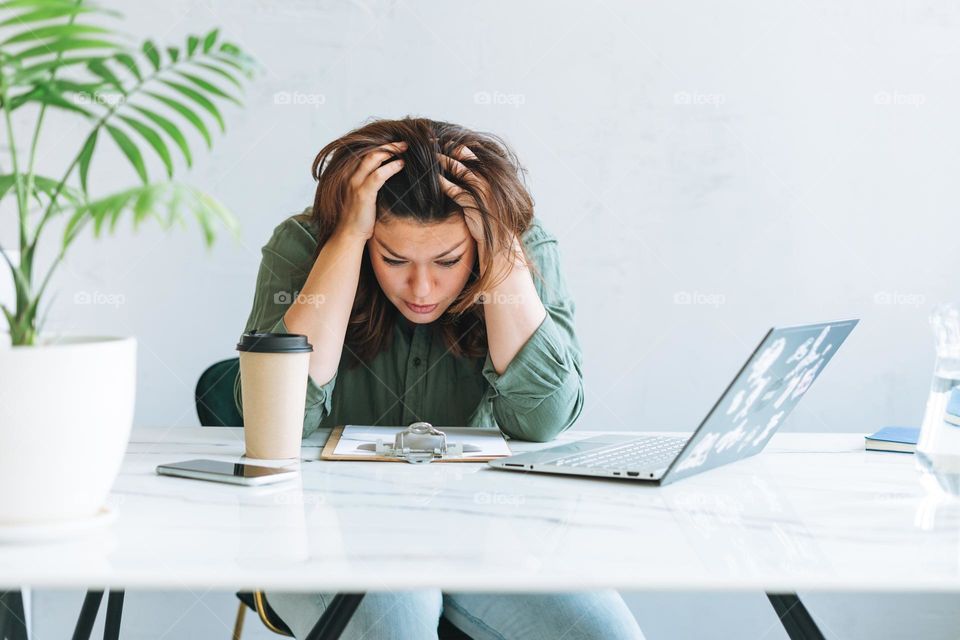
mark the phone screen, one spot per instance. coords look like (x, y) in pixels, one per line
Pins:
(235, 469)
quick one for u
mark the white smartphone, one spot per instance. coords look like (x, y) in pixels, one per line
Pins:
(230, 472)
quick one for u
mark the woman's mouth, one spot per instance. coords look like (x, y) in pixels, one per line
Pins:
(420, 308)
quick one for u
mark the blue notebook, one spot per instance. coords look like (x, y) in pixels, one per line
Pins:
(900, 439)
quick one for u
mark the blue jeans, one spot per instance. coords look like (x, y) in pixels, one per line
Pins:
(482, 616)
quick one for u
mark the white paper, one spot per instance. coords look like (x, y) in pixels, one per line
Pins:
(490, 440)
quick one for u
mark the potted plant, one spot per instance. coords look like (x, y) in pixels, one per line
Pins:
(66, 403)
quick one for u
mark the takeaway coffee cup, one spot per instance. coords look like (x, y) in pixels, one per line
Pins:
(273, 377)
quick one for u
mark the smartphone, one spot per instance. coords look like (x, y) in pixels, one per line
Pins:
(230, 472)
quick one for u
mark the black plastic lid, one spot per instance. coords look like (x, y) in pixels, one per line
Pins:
(274, 343)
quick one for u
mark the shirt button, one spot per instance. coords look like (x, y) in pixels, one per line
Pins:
(416, 362)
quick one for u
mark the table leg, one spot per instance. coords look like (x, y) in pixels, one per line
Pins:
(13, 621)
(336, 617)
(88, 615)
(796, 620)
(111, 630)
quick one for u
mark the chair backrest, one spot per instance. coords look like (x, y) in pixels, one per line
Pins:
(214, 395)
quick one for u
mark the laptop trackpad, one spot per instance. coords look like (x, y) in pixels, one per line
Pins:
(561, 451)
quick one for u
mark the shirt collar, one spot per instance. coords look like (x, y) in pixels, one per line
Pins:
(405, 326)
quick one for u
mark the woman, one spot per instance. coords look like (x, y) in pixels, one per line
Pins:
(429, 291)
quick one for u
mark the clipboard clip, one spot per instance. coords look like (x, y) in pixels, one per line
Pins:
(420, 443)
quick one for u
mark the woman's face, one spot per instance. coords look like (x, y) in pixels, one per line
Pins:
(422, 268)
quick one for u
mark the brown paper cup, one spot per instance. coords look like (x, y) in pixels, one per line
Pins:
(273, 378)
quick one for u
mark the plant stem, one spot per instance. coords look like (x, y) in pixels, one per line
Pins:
(60, 255)
(23, 331)
(21, 277)
(36, 136)
(21, 199)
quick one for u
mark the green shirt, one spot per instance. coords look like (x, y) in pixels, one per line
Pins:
(539, 395)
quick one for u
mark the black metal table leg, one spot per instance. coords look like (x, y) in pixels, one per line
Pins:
(796, 620)
(13, 619)
(88, 615)
(111, 630)
(336, 617)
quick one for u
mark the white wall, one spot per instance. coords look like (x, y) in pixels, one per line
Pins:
(785, 191)
(779, 162)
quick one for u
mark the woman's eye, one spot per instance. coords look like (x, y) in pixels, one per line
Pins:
(443, 263)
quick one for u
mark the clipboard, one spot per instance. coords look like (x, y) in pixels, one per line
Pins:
(329, 449)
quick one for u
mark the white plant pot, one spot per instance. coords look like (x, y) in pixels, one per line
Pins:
(66, 409)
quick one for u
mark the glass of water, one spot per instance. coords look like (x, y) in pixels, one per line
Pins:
(938, 449)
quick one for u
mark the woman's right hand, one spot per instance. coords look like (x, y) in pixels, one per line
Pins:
(360, 208)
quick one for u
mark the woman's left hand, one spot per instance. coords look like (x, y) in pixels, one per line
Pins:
(463, 198)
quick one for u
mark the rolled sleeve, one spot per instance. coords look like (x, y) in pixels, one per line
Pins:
(319, 399)
(540, 393)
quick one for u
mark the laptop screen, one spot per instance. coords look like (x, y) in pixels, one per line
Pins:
(768, 387)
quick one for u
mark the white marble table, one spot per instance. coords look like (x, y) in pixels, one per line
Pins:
(813, 511)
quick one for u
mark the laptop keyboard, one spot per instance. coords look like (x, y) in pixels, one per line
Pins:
(652, 452)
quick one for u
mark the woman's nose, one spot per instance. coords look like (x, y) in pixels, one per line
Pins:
(421, 284)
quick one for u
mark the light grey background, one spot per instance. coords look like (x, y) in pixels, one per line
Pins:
(709, 168)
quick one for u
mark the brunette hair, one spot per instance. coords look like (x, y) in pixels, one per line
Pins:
(415, 193)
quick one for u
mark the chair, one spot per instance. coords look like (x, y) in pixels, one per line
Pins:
(216, 408)
(214, 395)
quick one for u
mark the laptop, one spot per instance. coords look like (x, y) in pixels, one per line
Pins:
(775, 377)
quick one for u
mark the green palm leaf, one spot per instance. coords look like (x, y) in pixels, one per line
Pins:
(238, 64)
(153, 54)
(39, 72)
(54, 31)
(86, 153)
(219, 71)
(154, 140)
(48, 186)
(48, 96)
(200, 99)
(62, 94)
(130, 150)
(49, 11)
(167, 203)
(170, 129)
(100, 69)
(42, 185)
(209, 40)
(127, 61)
(208, 86)
(187, 113)
(63, 45)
